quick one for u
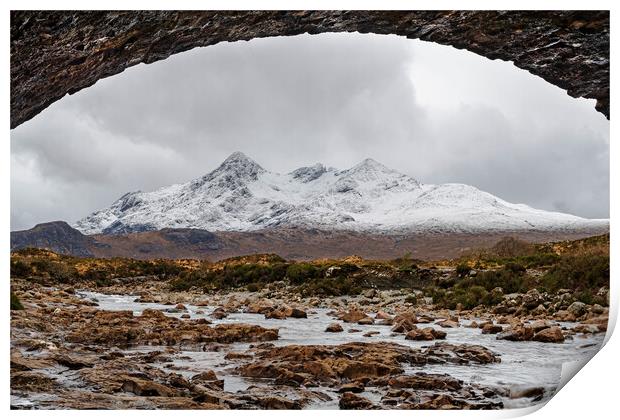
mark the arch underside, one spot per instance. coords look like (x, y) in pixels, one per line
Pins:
(58, 52)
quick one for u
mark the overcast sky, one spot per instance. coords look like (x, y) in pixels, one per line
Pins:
(433, 112)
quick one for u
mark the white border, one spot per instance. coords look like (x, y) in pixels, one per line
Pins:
(592, 395)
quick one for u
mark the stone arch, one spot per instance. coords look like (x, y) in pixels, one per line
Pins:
(58, 52)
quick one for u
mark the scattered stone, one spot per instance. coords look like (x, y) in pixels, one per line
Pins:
(447, 323)
(353, 316)
(425, 334)
(334, 328)
(366, 321)
(492, 329)
(549, 335)
(532, 299)
(577, 309)
(350, 401)
(517, 333)
(354, 387)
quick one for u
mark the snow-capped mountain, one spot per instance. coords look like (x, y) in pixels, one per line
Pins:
(240, 195)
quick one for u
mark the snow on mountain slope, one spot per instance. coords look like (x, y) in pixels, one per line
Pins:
(242, 196)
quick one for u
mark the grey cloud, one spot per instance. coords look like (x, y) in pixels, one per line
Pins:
(438, 114)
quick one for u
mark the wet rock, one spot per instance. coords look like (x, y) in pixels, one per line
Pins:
(334, 328)
(180, 307)
(540, 325)
(462, 354)
(260, 307)
(32, 381)
(153, 313)
(371, 333)
(208, 379)
(447, 323)
(586, 329)
(238, 356)
(74, 361)
(426, 381)
(549, 335)
(21, 363)
(404, 322)
(298, 313)
(353, 316)
(355, 387)
(382, 315)
(366, 321)
(517, 333)
(536, 393)
(350, 401)
(146, 388)
(492, 329)
(219, 313)
(331, 364)
(277, 403)
(276, 314)
(425, 334)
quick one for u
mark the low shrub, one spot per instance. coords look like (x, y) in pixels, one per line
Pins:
(578, 272)
(16, 303)
(20, 268)
(463, 269)
(411, 299)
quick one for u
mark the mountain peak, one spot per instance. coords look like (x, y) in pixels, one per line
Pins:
(240, 165)
(309, 173)
(238, 156)
(369, 165)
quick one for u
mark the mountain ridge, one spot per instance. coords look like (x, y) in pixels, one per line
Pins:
(240, 195)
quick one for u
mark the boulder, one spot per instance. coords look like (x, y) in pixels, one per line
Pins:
(532, 299)
(448, 323)
(549, 335)
(577, 309)
(353, 316)
(334, 328)
(298, 313)
(425, 334)
(355, 387)
(492, 329)
(517, 333)
(382, 315)
(350, 401)
(426, 381)
(366, 321)
(219, 313)
(540, 325)
(146, 388)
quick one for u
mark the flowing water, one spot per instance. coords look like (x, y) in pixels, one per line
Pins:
(523, 364)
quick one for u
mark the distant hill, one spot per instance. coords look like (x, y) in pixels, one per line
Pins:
(56, 236)
(290, 243)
